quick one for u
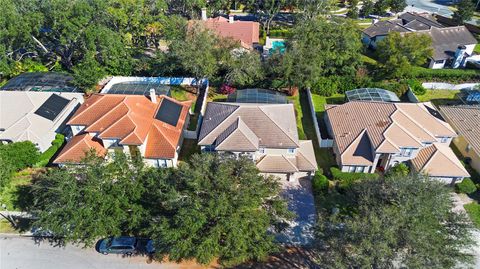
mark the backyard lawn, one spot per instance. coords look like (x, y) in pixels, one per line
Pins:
(439, 97)
(306, 130)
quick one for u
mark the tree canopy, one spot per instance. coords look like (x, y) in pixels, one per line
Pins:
(396, 220)
(217, 207)
(464, 12)
(91, 201)
(212, 207)
(397, 53)
(321, 48)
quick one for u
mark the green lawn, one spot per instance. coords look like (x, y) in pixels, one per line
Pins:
(477, 48)
(306, 129)
(439, 97)
(473, 210)
(6, 227)
(16, 194)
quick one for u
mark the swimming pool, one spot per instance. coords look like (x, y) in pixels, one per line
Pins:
(277, 45)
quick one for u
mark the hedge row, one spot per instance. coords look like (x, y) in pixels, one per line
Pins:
(448, 75)
(347, 179)
(466, 186)
(48, 154)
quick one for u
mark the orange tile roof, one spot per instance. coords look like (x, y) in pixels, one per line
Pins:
(131, 120)
(78, 147)
(247, 32)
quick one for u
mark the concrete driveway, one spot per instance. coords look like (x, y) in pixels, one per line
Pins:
(300, 200)
(18, 252)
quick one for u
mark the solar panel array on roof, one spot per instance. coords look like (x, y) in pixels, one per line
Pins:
(257, 96)
(169, 112)
(371, 94)
(52, 107)
(139, 88)
(41, 82)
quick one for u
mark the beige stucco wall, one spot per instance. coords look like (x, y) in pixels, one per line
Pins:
(462, 144)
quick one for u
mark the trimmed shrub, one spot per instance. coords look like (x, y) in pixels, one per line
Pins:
(280, 33)
(48, 154)
(416, 87)
(466, 186)
(449, 75)
(347, 179)
(400, 170)
(326, 86)
(20, 154)
(319, 183)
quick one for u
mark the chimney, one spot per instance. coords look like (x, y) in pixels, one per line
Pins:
(231, 18)
(204, 14)
(153, 96)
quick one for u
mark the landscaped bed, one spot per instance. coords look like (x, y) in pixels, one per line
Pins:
(15, 194)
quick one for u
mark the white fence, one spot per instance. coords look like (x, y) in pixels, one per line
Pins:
(323, 143)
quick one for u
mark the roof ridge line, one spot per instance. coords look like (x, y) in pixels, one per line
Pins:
(276, 124)
(315, 165)
(284, 157)
(438, 150)
(220, 123)
(89, 107)
(414, 121)
(104, 115)
(246, 126)
(68, 150)
(353, 141)
(99, 134)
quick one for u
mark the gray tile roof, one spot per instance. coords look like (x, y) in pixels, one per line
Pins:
(273, 124)
(445, 41)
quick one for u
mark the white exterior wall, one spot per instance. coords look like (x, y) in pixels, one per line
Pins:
(76, 129)
(434, 65)
(469, 48)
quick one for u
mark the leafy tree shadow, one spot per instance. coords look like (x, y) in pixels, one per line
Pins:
(293, 257)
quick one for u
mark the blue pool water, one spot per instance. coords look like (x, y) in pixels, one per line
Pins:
(278, 46)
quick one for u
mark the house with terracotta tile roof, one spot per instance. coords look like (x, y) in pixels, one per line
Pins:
(370, 135)
(466, 121)
(246, 32)
(265, 133)
(151, 126)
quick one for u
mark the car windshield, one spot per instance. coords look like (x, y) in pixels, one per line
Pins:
(108, 242)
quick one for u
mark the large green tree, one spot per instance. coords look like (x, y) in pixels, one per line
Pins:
(96, 199)
(397, 53)
(321, 48)
(394, 221)
(216, 207)
(464, 12)
(245, 69)
(266, 10)
(201, 52)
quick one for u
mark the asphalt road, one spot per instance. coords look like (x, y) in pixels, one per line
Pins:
(23, 253)
(437, 6)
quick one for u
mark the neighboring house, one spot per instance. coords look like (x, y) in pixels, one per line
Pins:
(135, 124)
(451, 45)
(246, 32)
(265, 133)
(371, 135)
(466, 121)
(35, 116)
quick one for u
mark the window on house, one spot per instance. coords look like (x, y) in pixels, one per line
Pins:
(406, 152)
(439, 62)
(208, 148)
(444, 139)
(291, 151)
(468, 148)
(351, 169)
(359, 169)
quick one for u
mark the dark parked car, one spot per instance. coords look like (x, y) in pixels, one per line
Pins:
(118, 245)
(126, 245)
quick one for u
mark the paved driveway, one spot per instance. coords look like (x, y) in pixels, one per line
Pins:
(300, 200)
(23, 253)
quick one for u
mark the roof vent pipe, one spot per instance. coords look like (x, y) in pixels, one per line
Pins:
(153, 96)
(204, 14)
(231, 19)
